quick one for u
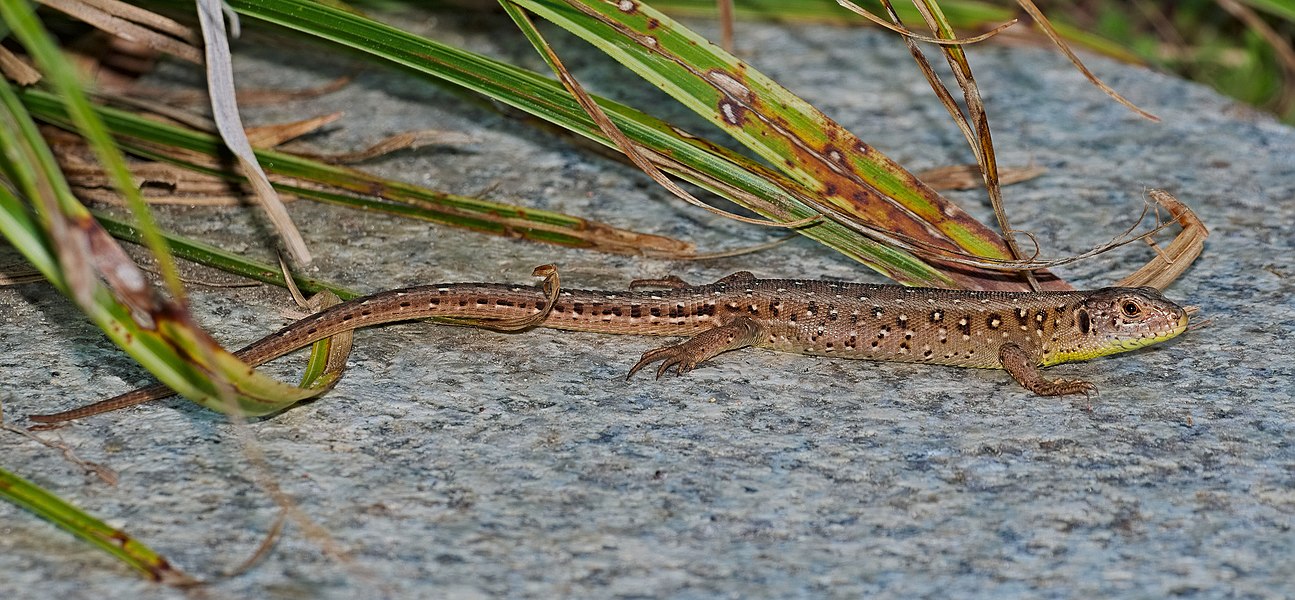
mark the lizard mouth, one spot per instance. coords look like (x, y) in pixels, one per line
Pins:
(1154, 337)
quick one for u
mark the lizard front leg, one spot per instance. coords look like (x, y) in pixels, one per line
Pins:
(684, 356)
(1024, 369)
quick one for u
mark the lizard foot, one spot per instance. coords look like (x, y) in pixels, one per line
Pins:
(686, 355)
(1063, 387)
(1024, 369)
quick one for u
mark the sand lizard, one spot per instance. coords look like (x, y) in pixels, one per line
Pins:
(1015, 331)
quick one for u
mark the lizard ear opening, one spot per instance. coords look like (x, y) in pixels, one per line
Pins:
(1085, 322)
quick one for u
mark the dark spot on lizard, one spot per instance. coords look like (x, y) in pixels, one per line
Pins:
(578, 308)
(503, 303)
(636, 311)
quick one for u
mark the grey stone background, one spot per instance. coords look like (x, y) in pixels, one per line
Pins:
(453, 462)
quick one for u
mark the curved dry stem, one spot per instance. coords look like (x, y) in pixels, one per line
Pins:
(1052, 34)
(1171, 262)
(908, 33)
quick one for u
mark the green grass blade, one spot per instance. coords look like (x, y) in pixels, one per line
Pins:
(217, 258)
(163, 339)
(851, 180)
(113, 541)
(173, 144)
(1281, 8)
(735, 177)
(58, 71)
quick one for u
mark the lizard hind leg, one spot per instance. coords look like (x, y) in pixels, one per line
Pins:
(684, 356)
(1023, 368)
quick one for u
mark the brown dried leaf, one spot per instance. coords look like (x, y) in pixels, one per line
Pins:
(269, 136)
(400, 141)
(16, 69)
(116, 18)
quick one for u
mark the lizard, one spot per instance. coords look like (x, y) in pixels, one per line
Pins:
(1018, 332)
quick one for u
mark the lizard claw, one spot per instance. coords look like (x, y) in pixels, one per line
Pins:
(1067, 387)
(670, 356)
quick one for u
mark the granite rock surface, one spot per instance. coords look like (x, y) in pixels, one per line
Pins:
(461, 463)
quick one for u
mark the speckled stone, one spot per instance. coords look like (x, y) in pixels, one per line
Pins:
(460, 463)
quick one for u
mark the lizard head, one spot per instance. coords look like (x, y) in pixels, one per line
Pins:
(1119, 319)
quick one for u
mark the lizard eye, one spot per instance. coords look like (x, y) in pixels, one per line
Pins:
(1131, 309)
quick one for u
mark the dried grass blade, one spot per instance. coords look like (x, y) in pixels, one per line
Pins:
(220, 82)
(1048, 30)
(982, 144)
(269, 136)
(14, 68)
(111, 23)
(896, 27)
